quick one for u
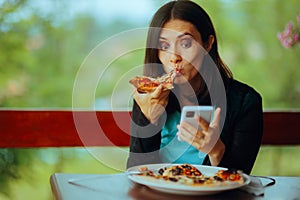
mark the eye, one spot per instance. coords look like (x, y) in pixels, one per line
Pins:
(186, 43)
(163, 45)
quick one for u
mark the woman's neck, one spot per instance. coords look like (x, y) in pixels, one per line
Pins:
(187, 93)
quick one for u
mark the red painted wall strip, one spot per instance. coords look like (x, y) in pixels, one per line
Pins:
(56, 128)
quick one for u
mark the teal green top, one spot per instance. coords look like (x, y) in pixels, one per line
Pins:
(174, 151)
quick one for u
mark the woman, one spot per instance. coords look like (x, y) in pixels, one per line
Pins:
(182, 38)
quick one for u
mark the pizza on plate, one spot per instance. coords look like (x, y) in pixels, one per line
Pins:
(180, 170)
(187, 174)
(229, 175)
(146, 84)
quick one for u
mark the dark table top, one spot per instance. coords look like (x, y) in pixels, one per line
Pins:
(118, 186)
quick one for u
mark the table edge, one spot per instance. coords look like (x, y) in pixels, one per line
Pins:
(54, 187)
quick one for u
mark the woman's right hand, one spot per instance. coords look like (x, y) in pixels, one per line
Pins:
(152, 104)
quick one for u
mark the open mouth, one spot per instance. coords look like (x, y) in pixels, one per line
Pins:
(178, 71)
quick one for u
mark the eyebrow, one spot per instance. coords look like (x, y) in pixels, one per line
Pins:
(179, 36)
(184, 34)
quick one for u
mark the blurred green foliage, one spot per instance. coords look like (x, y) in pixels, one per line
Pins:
(14, 164)
(248, 42)
(41, 53)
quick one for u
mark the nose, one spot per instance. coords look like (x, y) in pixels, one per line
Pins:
(175, 58)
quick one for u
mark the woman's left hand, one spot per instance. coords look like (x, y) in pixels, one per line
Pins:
(206, 139)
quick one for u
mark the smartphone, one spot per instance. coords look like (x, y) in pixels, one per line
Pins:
(190, 114)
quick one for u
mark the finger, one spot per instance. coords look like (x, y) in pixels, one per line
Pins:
(163, 98)
(134, 92)
(200, 135)
(164, 94)
(203, 123)
(187, 127)
(217, 117)
(200, 145)
(190, 136)
(182, 135)
(197, 143)
(137, 96)
(156, 93)
(179, 136)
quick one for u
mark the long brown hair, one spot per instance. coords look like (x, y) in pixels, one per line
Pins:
(186, 11)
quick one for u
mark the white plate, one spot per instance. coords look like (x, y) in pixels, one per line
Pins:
(176, 188)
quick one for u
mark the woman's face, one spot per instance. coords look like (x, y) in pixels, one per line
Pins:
(180, 49)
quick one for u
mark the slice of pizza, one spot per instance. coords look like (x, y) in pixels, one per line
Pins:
(180, 170)
(229, 175)
(148, 84)
(184, 173)
(188, 174)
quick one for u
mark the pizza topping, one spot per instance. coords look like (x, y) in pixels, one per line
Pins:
(173, 179)
(190, 175)
(149, 84)
(230, 174)
(143, 169)
(180, 170)
(161, 171)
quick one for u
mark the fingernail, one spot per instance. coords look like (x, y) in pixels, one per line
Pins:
(178, 138)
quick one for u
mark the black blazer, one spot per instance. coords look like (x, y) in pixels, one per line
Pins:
(241, 133)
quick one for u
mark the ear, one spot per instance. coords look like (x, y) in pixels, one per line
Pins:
(209, 43)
